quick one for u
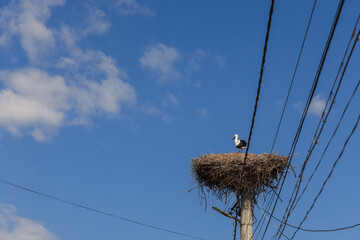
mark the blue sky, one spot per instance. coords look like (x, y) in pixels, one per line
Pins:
(104, 103)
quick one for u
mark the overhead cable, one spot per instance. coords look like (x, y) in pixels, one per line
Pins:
(311, 94)
(99, 211)
(328, 177)
(293, 77)
(261, 76)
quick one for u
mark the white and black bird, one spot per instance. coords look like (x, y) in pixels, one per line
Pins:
(239, 143)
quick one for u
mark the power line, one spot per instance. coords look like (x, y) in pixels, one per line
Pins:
(269, 220)
(328, 177)
(353, 34)
(327, 145)
(291, 205)
(323, 120)
(261, 75)
(285, 104)
(311, 94)
(262, 220)
(316, 80)
(293, 77)
(99, 211)
(315, 140)
(311, 230)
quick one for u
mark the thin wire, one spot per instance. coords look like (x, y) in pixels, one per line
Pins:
(321, 121)
(291, 205)
(286, 101)
(323, 113)
(261, 75)
(99, 211)
(271, 222)
(333, 86)
(324, 122)
(328, 177)
(312, 230)
(327, 46)
(340, 120)
(311, 94)
(262, 220)
(293, 77)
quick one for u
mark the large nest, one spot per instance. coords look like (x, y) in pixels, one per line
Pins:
(226, 173)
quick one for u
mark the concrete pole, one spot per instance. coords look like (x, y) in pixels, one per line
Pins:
(246, 225)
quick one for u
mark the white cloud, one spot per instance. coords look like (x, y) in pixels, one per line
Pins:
(196, 59)
(298, 106)
(132, 7)
(18, 111)
(150, 109)
(221, 61)
(33, 99)
(170, 99)
(161, 59)
(198, 84)
(203, 112)
(39, 135)
(13, 227)
(97, 22)
(166, 118)
(69, 36)
(37, 85)
(8, 25)
(107, 95)
(317, 105)
(27, 19)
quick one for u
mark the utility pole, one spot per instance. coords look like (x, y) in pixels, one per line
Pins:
(246, 216)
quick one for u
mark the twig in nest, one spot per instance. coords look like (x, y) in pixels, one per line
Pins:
(195, 187)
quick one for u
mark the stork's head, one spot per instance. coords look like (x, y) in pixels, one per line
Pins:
(235, 136)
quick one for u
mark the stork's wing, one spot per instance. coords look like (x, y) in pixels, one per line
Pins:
(242, 143)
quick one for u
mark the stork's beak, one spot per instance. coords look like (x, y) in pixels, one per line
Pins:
(233, 138)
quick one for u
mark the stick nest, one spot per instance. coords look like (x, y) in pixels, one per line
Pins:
(223, 174)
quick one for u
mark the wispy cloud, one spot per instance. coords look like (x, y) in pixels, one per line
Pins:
(14, 227)
(298, 106)
(279, 103)
(132, 7)
(28, 20)
(221, 61)
(170, 99)
(34, 99)
(203, 112)
(100, 86)
(96, 22)
(161, 59)
(317, 105)
(151, 109)
(196, 59)
(71, 88)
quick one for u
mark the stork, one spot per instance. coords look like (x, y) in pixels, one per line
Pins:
(239, 143)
